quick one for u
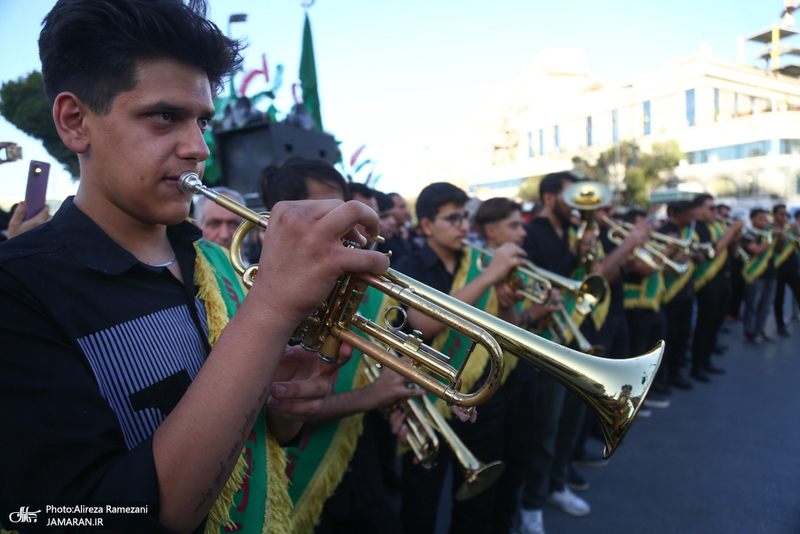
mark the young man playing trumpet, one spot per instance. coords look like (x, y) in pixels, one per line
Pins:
(786, 263)
(759, 276)
(446, 265)
(120, 385)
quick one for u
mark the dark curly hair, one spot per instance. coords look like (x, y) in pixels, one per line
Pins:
(92, 48)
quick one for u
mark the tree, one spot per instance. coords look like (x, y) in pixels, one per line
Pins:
(24, 104)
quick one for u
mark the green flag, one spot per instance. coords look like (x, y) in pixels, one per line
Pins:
(308, 76)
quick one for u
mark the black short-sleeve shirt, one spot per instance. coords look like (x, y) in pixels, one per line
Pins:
(546, 249)
(97, 349)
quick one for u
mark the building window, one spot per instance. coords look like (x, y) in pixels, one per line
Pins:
(690, 107)
(614, 126)
(716, 104)
(646, 119)
(541, 142)
(589, 131)
(555, 138)
(530, 144)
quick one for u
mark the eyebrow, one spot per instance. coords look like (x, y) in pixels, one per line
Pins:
(208, 113)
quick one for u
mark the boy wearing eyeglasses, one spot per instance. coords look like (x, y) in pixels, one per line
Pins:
(444, 264)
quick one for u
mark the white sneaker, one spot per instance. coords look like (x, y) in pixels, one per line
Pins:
(531, 522)
(569, 502)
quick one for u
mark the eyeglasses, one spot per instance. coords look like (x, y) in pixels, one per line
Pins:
(456, 218)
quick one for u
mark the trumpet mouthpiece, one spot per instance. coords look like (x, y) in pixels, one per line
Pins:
(189, 182)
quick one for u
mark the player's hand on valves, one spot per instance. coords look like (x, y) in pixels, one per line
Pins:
(506, 258)
(303, 255)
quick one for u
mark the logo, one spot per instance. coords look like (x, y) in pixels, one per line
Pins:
(23, 516)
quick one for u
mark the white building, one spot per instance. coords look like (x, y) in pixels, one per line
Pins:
(738, 126)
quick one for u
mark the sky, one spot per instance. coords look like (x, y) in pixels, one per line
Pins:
(403, 77)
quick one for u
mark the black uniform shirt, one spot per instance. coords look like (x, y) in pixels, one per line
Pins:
(617, 287)
(97, 349)
(671, 228)
(546, 249)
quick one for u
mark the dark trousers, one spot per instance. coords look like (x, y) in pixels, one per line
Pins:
(519, 403)
(737, 288)
(647, 328)
(422, 487)
(556, 420)
(792, 279)
(707, 324)
(679, 329)
(360, 504)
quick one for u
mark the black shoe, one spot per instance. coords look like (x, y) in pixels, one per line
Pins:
(699, 375)
(783, 332)
(720, 349)
(750, 340)
(576, 482)
(680, 382)
(714, 370)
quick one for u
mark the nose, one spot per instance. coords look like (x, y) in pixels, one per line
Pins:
(191, 144)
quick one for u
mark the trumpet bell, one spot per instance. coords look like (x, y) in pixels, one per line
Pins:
(477, 480)
(587, 195)
(591, 292)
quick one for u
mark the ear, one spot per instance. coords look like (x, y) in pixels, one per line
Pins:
(490, 231)
(427, 226)
(69, 114)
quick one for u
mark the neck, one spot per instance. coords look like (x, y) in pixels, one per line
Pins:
(445, 254)
(549, 214)
(147, 242)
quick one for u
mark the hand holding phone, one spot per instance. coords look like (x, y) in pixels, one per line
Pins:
(36, 191)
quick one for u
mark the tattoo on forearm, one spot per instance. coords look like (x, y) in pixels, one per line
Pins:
(218, 478)
(205, 496)
(234, 450)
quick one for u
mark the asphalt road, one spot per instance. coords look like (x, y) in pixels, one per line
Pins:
(723, 458)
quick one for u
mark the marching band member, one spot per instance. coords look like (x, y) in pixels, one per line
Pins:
(119, 311)
(556, 414)
(678, 298)
(334, 469)
(709, 286)
(759, 275)
(786, 262)
(644, 293)
(444, 264)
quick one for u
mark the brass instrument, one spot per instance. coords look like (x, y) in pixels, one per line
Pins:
(766, 235)
(614, 389)
(623, 229)
(560, 321)
(689, 246)
(423, 442)
(421, 436)
(587, 197)
(587, 292)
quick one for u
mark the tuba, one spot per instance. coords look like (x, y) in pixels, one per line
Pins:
(614, 389)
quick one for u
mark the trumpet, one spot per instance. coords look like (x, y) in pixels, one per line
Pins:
(613, 388)
(421, 436)
(766, 235)
(587, 292)
(587, 197)
(560, 321)
(616, 228)
(423, 442)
